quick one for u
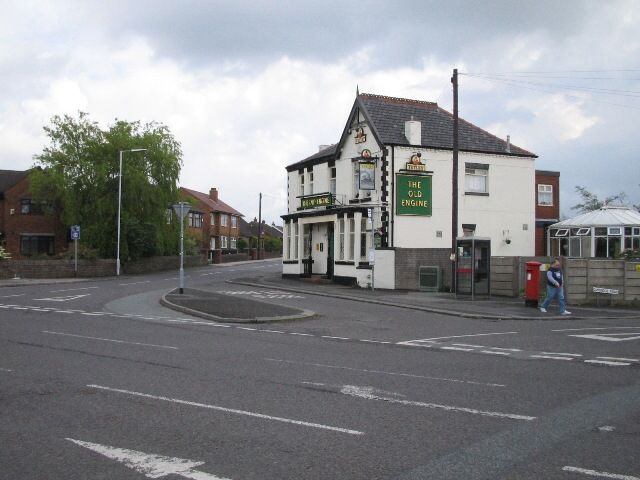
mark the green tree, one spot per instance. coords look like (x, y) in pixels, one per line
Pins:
(590, 201)
(79, 177)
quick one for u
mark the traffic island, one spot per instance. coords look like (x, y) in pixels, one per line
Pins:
(229, 309)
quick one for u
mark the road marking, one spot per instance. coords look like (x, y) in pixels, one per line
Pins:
(620, 359)
(134, 283)
(95, 314)
(72, 289)
(606, 428)
(566, 354)
(369, 393)
(594, 473)
(150, 465)
(506, 349)
(271, 331)
(468, 345)
(493, 352)
(382, 372)
(302, 334)
(109, 340)
(592, 328)
(461, 349)
(15, 295)
(373, 341)
(230, 410)
(456, 336)
(611, 337)
(5, 370)
(335, 338)
(606, 362)
(65, 298)
(551, 357)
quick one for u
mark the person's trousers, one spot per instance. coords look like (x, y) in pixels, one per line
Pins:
(553, 292)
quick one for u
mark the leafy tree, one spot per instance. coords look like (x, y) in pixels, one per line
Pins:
(590, 201)
(79, 177)
(242, 244)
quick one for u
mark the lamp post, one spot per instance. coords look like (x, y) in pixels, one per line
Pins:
(181, 209)
(120, 204)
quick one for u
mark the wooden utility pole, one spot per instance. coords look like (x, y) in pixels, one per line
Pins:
(454, 181)
(259, 225)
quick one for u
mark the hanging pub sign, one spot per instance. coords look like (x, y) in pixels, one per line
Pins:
(367, 175)
(413, 195)
(415, 163)
(314, 201)
(361, 137)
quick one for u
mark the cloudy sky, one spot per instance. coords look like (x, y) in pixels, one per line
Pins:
(248, 87)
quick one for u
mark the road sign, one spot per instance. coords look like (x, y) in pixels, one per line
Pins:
(75, 232)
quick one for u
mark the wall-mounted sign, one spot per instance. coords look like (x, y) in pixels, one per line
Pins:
(365, 154)
(361, 137)
(413, 195)
(367, 176)
(316, 201)
(416, 164)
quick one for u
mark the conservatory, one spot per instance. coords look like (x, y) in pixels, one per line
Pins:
(603, 233)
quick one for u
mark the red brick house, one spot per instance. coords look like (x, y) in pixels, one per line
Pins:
(547, 206)
(26, 230)
(212, 220)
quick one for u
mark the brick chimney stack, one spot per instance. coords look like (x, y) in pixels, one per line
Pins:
(213, 194)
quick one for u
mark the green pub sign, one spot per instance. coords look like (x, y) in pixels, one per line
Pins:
(316, 201)
(413, 195)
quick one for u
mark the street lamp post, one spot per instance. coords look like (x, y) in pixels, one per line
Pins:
(120, 205)
(181, 209)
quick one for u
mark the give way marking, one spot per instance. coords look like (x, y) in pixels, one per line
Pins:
(611, 337)
(65, 298)
(150, 465)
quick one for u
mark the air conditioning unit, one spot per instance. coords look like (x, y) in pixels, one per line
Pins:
(430, 279)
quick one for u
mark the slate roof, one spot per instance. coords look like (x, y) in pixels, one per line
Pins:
(607, 216)
(8, 178)
(218, 206)
(387, 117)
(250, 229)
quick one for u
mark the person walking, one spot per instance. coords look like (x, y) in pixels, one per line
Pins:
(555, 288)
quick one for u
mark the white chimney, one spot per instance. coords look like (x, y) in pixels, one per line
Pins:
(508, 148)
(413, 131)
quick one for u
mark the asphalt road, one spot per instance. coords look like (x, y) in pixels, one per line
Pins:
(98, 381)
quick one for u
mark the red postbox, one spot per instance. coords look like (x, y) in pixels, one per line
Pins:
(532, 290)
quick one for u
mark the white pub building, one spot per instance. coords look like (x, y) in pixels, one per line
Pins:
(376, 206)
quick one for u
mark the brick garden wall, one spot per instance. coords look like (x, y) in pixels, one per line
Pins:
(409, 261)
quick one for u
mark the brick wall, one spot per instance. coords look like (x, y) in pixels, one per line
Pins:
(409, 260)
(158, 264)
(25, 268)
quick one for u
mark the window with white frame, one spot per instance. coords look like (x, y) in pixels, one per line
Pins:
(301, 177)
(234, 243)
(341, 239)
(212, 243)
(234, 222)
(545, 195)
(356, 179)
(352, 238)
(306, 240)
(195, 220)
(224, 242)
(365, 239)
(476, 180)
(295, 240)
(224, 220)
(310, 183)
(286, 236)
(332, 181)
(213, 218)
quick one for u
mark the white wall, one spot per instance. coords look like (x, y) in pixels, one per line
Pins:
(385, 269)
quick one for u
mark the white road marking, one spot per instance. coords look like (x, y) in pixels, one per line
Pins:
(109, 340)
(15, 295)
(73, 289)
(611, 337)
(506, 349)
(150, 465)
(134, 283)
(606, 428)
(382, 372)
(461, 349)
(606, 362)
(493, 352)
(458, 336)
(247, 328)
(335, 338)
(372, 341)
(96, 314)
(594, 473)
(566, 354)
(230, 410)
(302, 334)
(468, 345)
(591, 328)
(271, 331)
(5, 370)
(65, 298)
(551, 357)
(620, 359)
(368, 393)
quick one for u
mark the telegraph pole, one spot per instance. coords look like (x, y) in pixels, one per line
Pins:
(454, 181)
(259, 225)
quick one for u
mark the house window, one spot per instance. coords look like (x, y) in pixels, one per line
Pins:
(234, 243)
(583, 231)
(475, 180)
(37, 245)
(224, 242)
(341, 239)
(234, 222)
(286, 237)
(310, 183)
(27, 207)
(352, 237)
(545, 195)
(306, 240)
(195, 220)
(332, 181)
(213, 219)
(356, 179)
(212, 243)
(301, 184)
(224, 220)
(295, 240)
(364, 240)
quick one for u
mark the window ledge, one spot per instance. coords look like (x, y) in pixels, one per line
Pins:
(343, 262)
(477, 194)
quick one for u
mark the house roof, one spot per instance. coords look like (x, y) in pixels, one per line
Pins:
(387, 116)
(607, 216)
(250, 229)
(8, 178)
(215, 206)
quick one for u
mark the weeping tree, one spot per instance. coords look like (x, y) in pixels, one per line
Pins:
(78, 176)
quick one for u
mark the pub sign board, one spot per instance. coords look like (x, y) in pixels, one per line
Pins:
(413, 195)
(316, 201)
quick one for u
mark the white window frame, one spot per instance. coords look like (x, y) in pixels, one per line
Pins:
(635, 231)
(341, 249)
(544, 189)
(295, 241)
(224, 219)
(234, 243)
(234, 221)
(583, 231)
(615, 231)
(352, 239)
(476, 173)
(310, 182)
(356, 179)
(224, 242)
(332, 180)
(301, 179)
(212, 243)
(365, 239)
(562, 232)
(213, 219)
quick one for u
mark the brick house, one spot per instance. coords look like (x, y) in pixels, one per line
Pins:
(213, 221)
(25, 229)
(547, 207)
